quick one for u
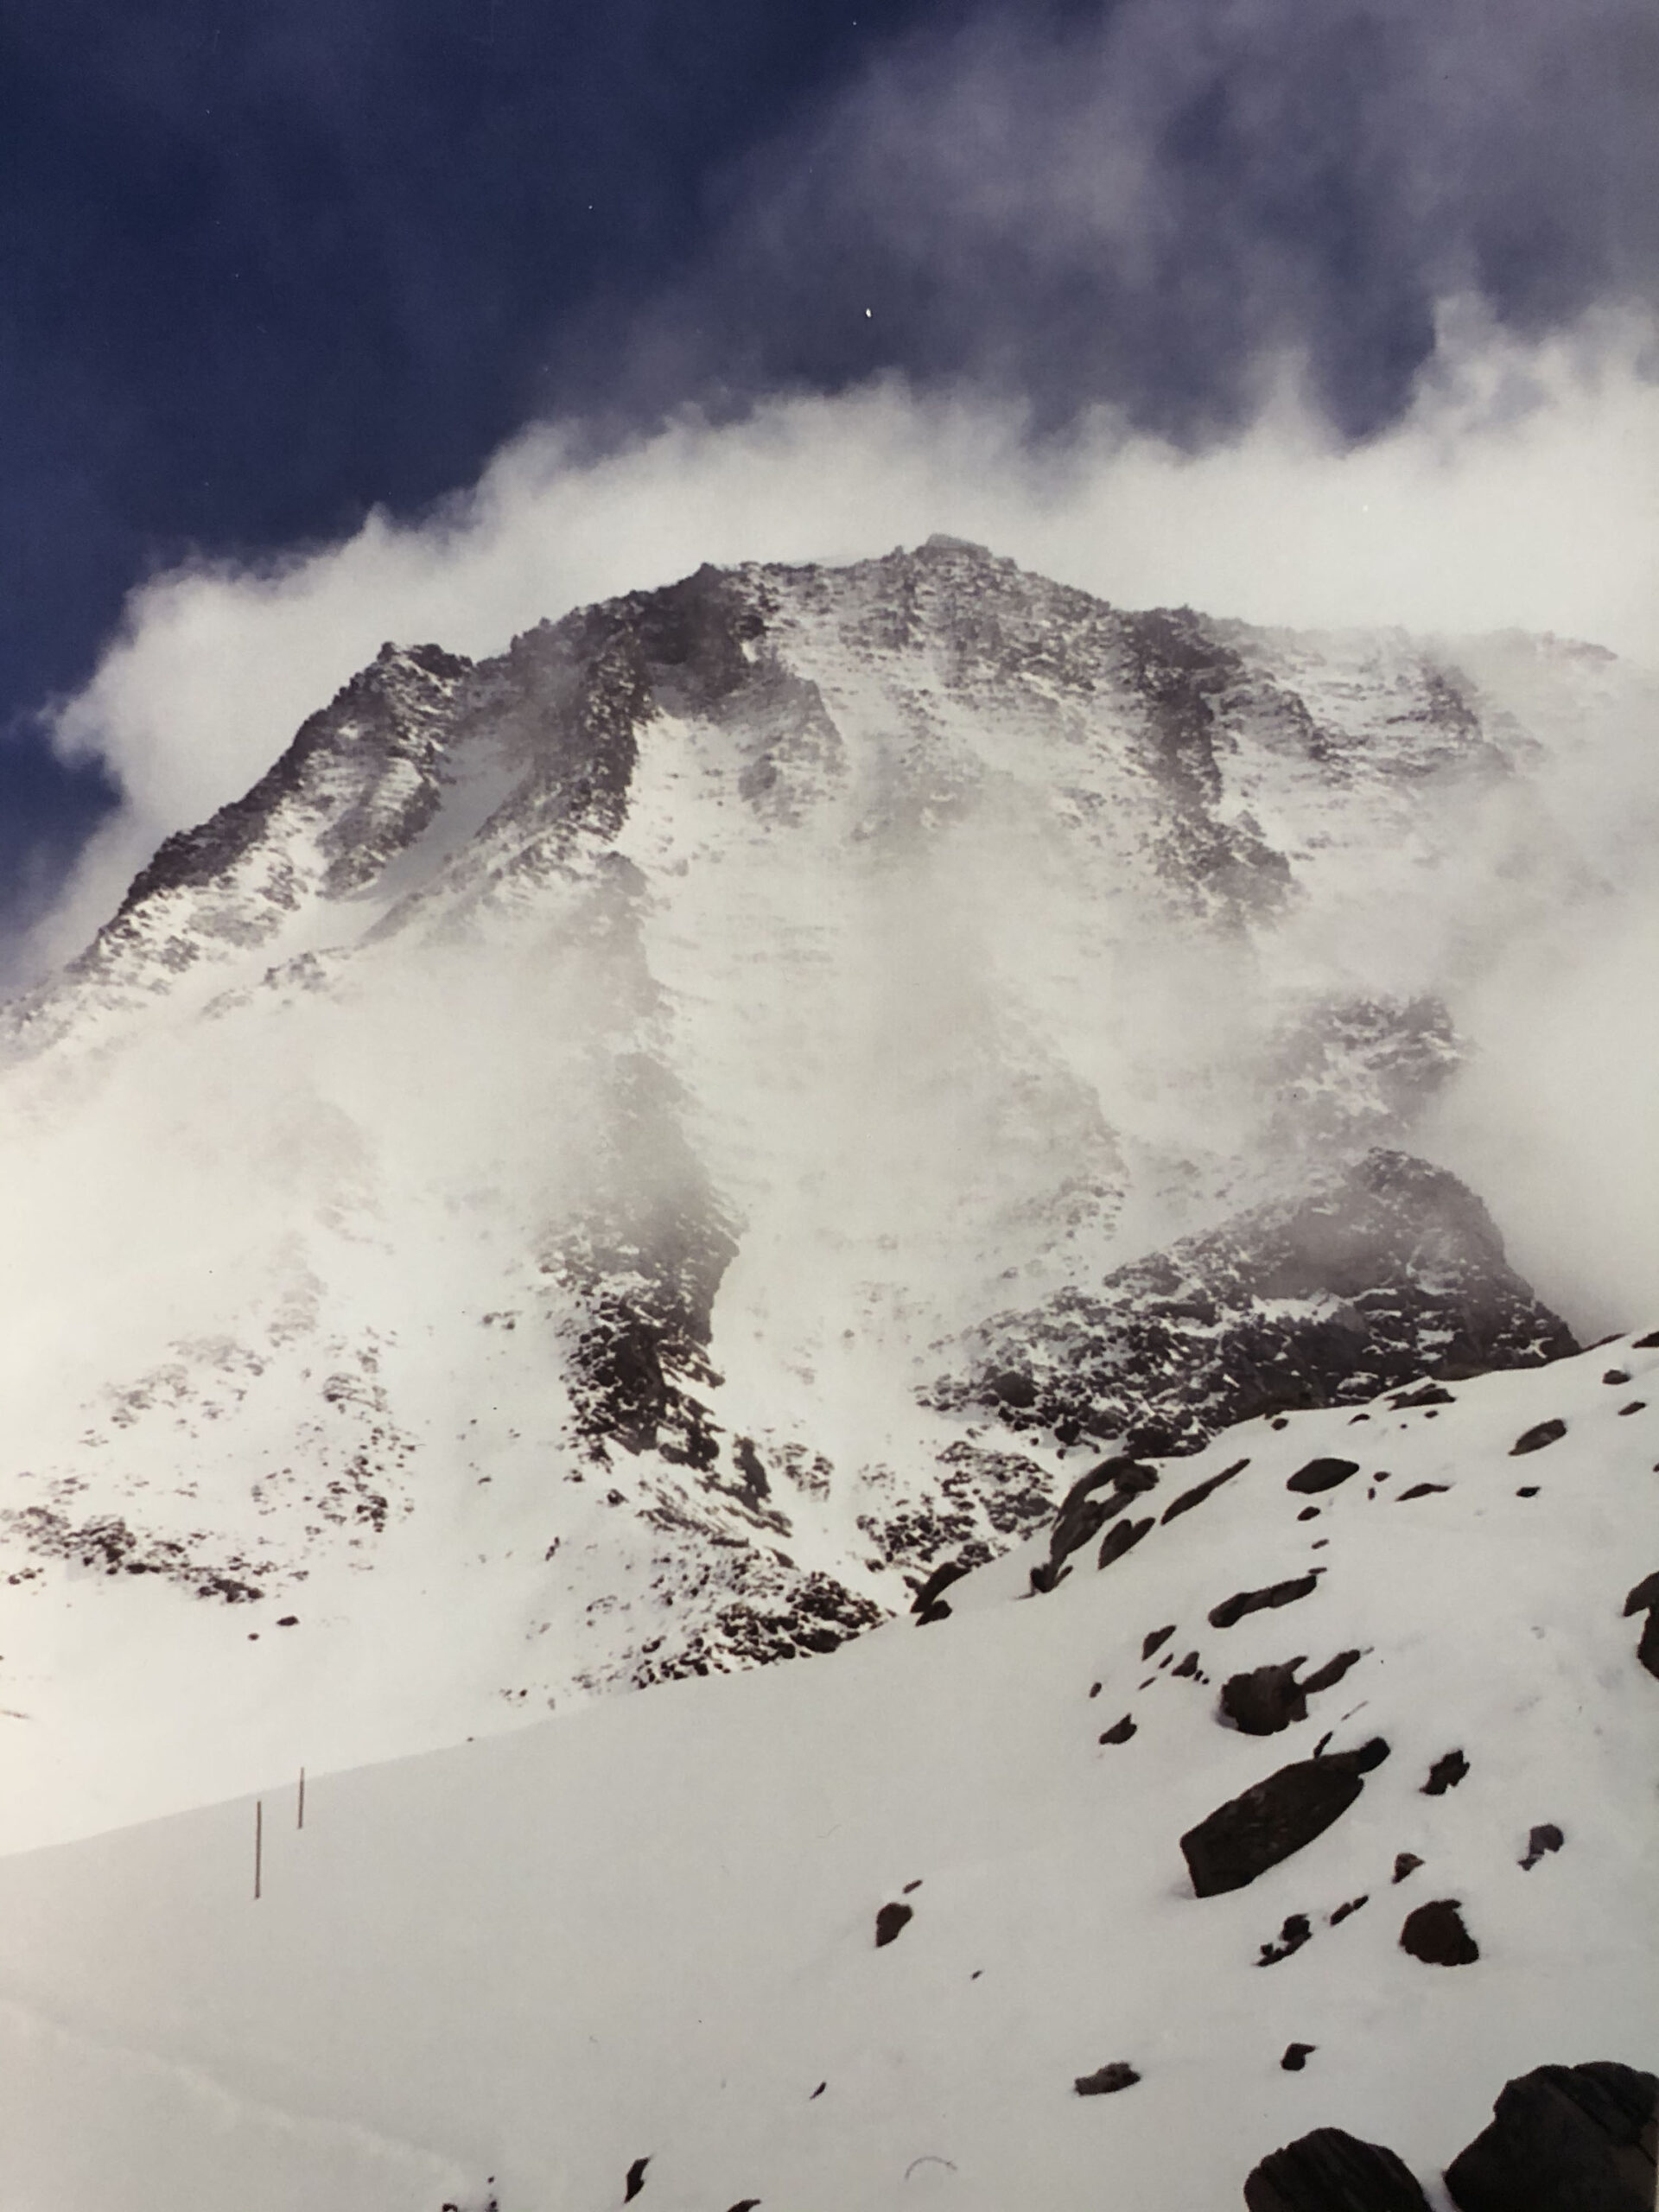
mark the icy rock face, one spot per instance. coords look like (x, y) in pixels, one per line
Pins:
(695, 1115)
(1388, 1271)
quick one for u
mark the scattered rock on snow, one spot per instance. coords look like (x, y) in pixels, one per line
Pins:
(1270, 1697)
(1096, 1498)
(1322, 1474)
(1544, 1839)
(1199, 1491)
(1447, 1773)
(1582, 2137)
(1124, 1538)
(1535, 1439)
(1406, 1862)
(1158, 1637)
(1120, 1731)
(1645, 1599)
(1296, 1931)
(1266, 1699)
(890, 1920)
(1343, 1911)
(1435, 1934)
(1420, 1490)
(636, 2180)
(1233, 1610)
(1331, 2171)
(1297, 2055)
(925, 1604)
(1120, 2074)
(1275, 1818)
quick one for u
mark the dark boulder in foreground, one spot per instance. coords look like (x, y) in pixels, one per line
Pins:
(1331, 2171)
(1275, 1818)
(1564, 2138)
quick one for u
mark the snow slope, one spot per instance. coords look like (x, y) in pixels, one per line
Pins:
(646, 1932)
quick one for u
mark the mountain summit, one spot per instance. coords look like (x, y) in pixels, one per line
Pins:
(629, 1158)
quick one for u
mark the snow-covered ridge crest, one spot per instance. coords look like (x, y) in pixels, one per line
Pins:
(501, 1197)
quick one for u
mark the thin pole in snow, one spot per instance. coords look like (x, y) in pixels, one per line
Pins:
(259, 1844)
(300, 1822)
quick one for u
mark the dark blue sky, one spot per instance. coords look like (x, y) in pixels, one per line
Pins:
(262, 267)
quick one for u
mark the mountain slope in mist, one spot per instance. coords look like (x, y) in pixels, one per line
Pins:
(548, 1190)
(922, 1922)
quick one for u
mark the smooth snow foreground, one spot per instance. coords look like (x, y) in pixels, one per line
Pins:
(643, 1938)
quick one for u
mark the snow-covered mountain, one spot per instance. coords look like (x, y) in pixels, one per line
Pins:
(1257, 1821)
(623, 1160)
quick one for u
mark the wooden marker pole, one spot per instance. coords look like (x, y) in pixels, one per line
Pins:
(300, 1822)
(259, 1844)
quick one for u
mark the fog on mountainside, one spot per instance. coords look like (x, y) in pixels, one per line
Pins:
(583, 1174)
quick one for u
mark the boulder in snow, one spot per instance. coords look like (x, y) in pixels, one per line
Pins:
(1564, 2138)
(1331, 2171)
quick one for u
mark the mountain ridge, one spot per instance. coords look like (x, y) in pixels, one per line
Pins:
(542, 1147)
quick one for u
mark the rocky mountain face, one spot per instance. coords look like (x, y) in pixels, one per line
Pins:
(621, 1159)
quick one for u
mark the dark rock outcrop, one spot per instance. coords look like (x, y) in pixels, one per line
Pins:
(1535, 1439)
(1120, 2074)
(1331, 2171)
(890, 1921)
(1644, 1598)
(1232, 1610)
(1199, 1491)
(1120, 1731)
(1544, 1839)
(1564, 2138)
(1322, 1474)
(1124, 1538)
(1297, 1931)
(1447, 1773)
(926, 1603)
(1435, 1934)
(1275, 1818)
(1384, 1273)
(1270, 1697)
